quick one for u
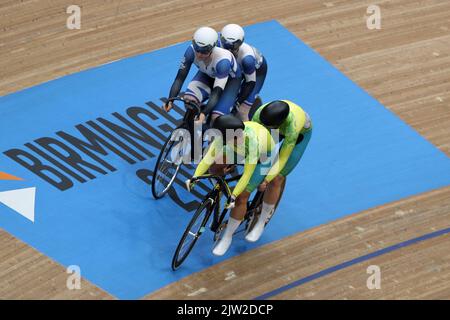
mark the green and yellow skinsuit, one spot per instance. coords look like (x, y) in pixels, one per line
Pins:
(296, 130)
(254, 152)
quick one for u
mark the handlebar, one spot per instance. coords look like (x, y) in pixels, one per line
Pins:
(220, 180)
(188, 103)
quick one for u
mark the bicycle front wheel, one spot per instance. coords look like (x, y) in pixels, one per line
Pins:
(193, 231)
(167, 167)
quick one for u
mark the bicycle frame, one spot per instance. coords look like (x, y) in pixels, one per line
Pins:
(220, 185)
(192, 111)
(210, 204)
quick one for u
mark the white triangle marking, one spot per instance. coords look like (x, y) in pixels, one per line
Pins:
(21, 201)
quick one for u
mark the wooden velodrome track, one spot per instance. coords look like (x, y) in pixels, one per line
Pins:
(405, 65)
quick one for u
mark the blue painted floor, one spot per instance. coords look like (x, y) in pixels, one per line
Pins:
(361, 155)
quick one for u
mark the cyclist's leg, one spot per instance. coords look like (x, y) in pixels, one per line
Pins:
(261, 169)
(238, 212)
(199, 88)
(245, 107)
(227, 99)
(274, 188)
(257, 178)
(234, 221)
(240, 208)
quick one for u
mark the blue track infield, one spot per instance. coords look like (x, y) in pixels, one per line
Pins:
(361, 155)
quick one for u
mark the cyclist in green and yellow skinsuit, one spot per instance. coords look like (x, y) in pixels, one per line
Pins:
(295, 127)
(252, 144)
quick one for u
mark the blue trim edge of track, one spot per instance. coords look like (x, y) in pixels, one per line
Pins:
(352, 262)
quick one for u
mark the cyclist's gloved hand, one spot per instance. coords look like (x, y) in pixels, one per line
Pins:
(201, 118)
(231, 203)
(168, 105)
(189, 184)
(229, 169)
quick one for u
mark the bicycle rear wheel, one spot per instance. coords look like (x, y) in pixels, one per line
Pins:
(167, 167)
(193, 231)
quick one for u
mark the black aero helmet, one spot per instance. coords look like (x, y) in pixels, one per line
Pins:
(228, 121)
(274, 114)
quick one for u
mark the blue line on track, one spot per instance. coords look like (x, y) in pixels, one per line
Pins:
(352, 262)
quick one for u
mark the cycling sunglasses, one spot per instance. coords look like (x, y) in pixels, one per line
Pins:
(233, 46)
(203, 50)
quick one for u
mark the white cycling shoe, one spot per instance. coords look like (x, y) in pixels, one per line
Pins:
(256, 233)
(258, 229)
(222, 246)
